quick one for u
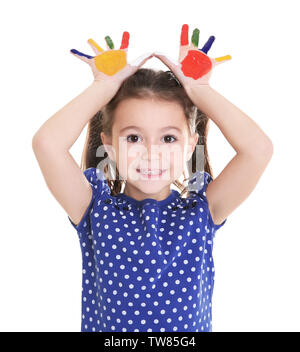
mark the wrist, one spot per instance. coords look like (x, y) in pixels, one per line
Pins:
(105, 90)
(193, 90)
(108, 85)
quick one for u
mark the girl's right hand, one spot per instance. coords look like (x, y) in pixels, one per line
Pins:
(111, 66)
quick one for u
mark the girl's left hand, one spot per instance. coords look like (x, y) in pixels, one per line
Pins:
(194, 67)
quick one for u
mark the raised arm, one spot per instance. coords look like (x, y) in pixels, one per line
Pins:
(51, 143)
(253, 147)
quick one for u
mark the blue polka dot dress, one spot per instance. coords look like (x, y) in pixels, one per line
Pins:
(147, 265)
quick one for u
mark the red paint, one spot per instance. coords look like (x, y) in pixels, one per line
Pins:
(196, 64)
(184, 39)
(125, 41)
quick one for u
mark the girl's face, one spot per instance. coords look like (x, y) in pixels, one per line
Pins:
(149, 134)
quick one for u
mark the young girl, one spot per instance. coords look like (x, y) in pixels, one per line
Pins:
(146, 248)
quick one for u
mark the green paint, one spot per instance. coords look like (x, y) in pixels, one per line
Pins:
(109, 42)
(195, 37)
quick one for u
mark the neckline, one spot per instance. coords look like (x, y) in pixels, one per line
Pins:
(172, 196)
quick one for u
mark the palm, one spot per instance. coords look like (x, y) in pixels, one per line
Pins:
(194, 67)
(110, 65)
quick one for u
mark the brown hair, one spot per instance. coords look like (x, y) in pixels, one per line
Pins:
(144, 83)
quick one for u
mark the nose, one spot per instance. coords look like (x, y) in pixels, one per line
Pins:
(150, 152)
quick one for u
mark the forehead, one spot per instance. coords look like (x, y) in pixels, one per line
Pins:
(145, 113)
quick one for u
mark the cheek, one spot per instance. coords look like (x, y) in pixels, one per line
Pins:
(126, 158)
(176, 154)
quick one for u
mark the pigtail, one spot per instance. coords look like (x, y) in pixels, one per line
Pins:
(92, 142)
(89, 156)
(202, 127)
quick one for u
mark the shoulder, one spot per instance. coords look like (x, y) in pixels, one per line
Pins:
(202, 184)
(97, 179)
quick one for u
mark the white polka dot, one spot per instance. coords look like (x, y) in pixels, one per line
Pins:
(147, 269)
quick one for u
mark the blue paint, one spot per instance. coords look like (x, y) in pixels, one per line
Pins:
(208, 44)
(74, 51)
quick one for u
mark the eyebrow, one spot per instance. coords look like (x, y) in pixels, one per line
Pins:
(162, 129)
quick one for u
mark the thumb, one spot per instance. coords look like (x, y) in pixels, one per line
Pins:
(221, 60)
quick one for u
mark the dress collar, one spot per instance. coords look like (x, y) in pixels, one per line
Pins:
(172, 198)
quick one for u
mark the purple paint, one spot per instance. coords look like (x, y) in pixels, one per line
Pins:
(74, 51)
(208, 44)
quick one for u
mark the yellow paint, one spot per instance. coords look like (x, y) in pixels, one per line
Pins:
(110, 62)
(223, 58)
(91, 41)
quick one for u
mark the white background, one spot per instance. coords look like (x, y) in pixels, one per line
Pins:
(256, 253)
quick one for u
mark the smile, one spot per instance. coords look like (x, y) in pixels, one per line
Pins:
(151, 173)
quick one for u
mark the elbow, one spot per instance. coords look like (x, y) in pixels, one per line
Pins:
(265, 150)
(36, 141)
(261, 151)
(269, 148)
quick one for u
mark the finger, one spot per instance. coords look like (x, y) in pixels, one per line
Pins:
(184, 37)
(222, 59)
(167, 61)
(96, 48)
(81, 56)
(195, 38)
(109, 42)
(184, 42)
(141, 59)
(125, 41)
(208, 44)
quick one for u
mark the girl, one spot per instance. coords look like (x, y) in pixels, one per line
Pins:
(146, 248)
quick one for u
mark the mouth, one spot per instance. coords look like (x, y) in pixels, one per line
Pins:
(148, 173)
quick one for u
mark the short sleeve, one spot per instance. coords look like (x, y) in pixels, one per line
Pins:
(98, 182)
(198, 184)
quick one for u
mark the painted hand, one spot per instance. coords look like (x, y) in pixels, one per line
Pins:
(111, 65)
(194, 67)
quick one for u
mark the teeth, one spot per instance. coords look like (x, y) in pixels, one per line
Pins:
(150, 172)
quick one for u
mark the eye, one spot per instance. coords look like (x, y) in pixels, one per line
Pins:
(134, 135)
(169, 136)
